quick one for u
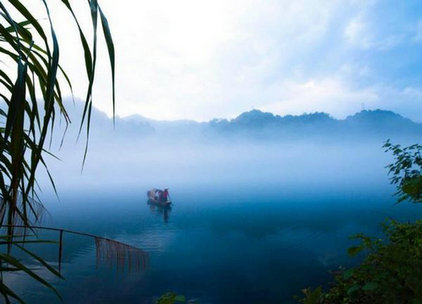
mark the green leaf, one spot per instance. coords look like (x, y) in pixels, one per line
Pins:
(41, 261)
(32, 95)
(6, 292)
(312, 296)
(13, 261)
(353, 289)
(180, 298)
(370, 286)
(348, 273)
(110, 47)
(352, 251)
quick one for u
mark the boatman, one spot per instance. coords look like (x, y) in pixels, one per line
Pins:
(158, 195)
(165, 196)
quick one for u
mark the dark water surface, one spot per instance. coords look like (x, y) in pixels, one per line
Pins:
(242, 245)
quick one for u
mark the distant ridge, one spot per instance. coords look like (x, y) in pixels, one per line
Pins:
(258, 115)
(375, 124)
(379, 116)
(364, 115)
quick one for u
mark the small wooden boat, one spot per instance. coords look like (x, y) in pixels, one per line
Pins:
(154, 201)
(159, 203)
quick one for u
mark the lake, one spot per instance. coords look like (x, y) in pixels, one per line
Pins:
(216, 245)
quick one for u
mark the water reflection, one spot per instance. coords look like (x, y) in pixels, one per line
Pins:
(159, 210)
(219, 247)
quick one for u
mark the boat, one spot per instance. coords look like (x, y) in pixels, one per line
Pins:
(159, 203)
(154, 201)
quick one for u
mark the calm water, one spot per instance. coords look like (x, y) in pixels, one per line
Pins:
(242, 245)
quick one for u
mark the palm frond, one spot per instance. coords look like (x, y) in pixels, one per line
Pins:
(33, 100)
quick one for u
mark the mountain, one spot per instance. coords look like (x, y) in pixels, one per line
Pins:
(257, 125)
(378, 123)
(254, 147)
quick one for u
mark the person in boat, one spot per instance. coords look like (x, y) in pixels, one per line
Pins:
(151, 193)
(165, 196)
(158, 195)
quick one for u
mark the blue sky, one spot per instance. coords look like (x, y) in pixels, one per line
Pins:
(197, 59)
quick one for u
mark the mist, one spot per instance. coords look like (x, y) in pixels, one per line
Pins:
(307, 154)
(259, 196)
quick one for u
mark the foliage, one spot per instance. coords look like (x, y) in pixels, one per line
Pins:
(31, 102)
(406, 171)
(391, 272)
(171, 298)
(9, 263)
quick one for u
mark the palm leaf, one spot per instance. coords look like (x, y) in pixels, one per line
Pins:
(32, 100)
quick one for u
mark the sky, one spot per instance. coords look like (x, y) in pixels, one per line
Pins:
(205, 59)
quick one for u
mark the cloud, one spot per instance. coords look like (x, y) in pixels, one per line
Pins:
(217, 58)
(322, 95)
(364, 34)
(418, 32)
(356, 33)
(199, 61)
(338, 98)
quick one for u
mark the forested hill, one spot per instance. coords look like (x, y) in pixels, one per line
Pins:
(258, 125)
